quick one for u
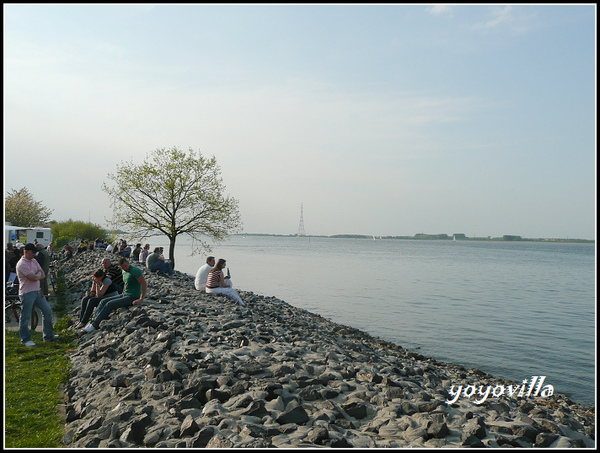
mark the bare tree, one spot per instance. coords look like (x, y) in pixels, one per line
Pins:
(173, 193)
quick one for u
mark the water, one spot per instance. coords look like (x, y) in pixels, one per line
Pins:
(513, 310)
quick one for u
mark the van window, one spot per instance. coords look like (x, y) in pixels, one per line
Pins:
(39, 235)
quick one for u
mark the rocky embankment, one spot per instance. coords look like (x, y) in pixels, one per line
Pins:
(187, 369)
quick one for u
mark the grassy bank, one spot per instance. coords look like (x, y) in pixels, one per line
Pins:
(33, 377)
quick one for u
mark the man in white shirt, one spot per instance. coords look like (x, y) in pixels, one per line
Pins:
(202, 274)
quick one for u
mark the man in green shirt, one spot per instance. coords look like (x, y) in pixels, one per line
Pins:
(134, 292)
(157, 262)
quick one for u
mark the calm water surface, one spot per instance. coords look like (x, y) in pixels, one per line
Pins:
(513, 310)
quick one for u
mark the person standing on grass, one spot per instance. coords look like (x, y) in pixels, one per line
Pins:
(30, 274)
(45, 267)
(134, 292)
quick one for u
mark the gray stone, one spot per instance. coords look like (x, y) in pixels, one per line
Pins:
(202, 438)
(189, 427)
(318, 435)
(438, 430)
(544, 440)
(356, 409)
(296, 415)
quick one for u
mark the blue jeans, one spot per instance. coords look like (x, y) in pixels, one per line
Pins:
(162, 266)
(28, 301)
(109, 304)
(88, 304)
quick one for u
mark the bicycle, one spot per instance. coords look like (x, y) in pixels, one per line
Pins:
(12, 307)
(52, 275)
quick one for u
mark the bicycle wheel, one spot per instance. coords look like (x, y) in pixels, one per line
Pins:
(16, 311)
(8, 314)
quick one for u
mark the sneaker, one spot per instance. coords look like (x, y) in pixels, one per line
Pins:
(29, 343)
(52, 338)
(89, 328)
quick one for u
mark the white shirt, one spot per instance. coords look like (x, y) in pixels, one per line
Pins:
(201, 276)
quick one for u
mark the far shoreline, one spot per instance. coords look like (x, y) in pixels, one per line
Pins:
(428, 237)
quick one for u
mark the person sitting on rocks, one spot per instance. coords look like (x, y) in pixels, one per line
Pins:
(156, 262)
(202, 274)
(135, 253)
(102, 287)
(67, 252)
(113, 271)
(216, 284)
(144, 254)
(83, 246)
(124, 249)
(134, 292)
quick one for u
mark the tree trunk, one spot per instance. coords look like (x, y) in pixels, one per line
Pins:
(172, 250)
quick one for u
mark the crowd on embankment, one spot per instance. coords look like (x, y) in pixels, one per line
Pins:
(189, 369)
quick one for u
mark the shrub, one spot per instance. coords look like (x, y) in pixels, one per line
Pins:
(60, 242)
(75, 229)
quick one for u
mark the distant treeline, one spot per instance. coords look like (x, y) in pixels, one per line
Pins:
(461, 237)
(431, 237)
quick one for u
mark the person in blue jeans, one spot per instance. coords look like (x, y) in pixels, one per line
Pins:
(30, 274)
(134, 291)
(157, 262)
(102, 288)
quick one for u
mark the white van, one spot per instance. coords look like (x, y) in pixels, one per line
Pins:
(42, 235)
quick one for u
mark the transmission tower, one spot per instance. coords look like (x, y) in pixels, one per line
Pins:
(301, 226)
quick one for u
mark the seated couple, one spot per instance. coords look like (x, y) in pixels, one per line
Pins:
(210, 278)
(134, 291)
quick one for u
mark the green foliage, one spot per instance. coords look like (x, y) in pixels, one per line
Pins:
(61, 241)
(181, 193)
(74, 229)
(22, 210)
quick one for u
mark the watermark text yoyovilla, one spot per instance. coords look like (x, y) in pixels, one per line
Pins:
(525, 390)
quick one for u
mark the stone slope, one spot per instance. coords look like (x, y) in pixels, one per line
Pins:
(187, 369)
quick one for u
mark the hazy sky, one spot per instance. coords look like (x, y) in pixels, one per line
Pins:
(384, 119)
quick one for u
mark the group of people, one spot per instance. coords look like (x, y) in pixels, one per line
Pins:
(154, 261)
(113, 286)
(108, 292)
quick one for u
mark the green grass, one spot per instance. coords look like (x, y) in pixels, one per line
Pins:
(33, 377)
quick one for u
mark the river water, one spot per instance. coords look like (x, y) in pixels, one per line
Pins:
(511, 309)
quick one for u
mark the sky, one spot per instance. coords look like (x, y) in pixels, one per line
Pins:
(377, 119)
